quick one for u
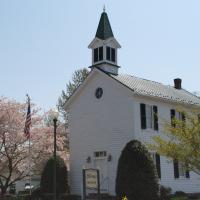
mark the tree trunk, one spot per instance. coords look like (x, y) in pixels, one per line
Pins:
(3, 190)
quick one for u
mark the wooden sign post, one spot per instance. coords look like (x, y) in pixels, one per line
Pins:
(91, 181)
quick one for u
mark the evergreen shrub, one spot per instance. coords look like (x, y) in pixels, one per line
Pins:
(136, 178)
(180, 194)
(165, 193)
(47, 177)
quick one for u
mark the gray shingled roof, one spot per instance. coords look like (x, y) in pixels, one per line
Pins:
(155, 89)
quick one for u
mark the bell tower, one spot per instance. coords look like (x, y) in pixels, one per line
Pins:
(104, 47)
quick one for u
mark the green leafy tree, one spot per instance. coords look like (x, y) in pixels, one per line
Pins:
(182, 140)
(47, 179)
(77, 79)
(136, 178)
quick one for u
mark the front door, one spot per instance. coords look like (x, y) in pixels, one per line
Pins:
(101, 164)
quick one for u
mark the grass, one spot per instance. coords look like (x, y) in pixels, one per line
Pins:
(181, 198)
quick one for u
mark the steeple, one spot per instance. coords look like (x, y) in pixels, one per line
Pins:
(104, 47)
(104, 30)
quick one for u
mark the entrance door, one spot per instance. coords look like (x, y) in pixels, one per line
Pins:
(101, 164)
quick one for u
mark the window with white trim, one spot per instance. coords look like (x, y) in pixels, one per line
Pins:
(175, 115)
(149, 116)
(180, 171)
(156, 161)
(98, 54)
(100, 154)
(110, 54)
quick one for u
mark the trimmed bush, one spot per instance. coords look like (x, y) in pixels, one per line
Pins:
(194, 196)
(8, 197)
(70, 197)
(180, 194)
(165, 193)
(136, 178)
(23, 195)
(36, 194)
(47, 179)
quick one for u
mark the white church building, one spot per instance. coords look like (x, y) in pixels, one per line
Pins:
(109, 109)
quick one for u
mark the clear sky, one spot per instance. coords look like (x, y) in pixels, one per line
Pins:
(42, 42)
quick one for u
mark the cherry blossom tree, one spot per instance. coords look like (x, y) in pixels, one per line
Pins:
(15, 157)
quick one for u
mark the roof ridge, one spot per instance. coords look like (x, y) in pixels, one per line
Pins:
(190, 92)
(146, 79)
(157, 89)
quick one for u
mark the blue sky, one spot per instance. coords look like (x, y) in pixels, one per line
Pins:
(42, 42)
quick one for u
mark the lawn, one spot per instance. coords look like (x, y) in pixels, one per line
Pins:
(181, 198)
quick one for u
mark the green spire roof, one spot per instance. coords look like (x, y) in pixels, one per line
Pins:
(104, 30)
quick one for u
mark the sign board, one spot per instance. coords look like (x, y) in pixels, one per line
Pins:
(91, 178)
(91, 181)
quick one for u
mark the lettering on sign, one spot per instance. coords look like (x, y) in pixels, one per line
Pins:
(91, 178)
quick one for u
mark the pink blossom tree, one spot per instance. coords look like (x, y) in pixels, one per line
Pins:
(15, 157)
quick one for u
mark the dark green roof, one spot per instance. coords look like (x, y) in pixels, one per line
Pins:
(104, 30)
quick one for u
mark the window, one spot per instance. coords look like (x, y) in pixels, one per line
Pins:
(100, 154)
(180, 171)
(176, 115)
(156, 160)
(172, 113)
(110, 54)
(149, 116)
(98, 54)
(98, 93)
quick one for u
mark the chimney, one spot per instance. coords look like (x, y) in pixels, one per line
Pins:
(177, 83)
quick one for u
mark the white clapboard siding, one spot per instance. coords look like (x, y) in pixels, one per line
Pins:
(107, 124)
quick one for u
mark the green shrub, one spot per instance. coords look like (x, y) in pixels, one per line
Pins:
(179, 198)
(36, 193)
(9, 197)
(47, 179)
(136, 178)
(23, 195)
(165, 193)
(47, 196)
(180, 194)
(194, 196)
(23, 192)
(69, 197)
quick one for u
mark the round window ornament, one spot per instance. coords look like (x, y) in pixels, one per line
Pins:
(99, 93)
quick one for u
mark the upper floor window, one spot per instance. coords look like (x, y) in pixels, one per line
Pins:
(149, 116)
(98, 54)
(110, 54)
(176, 116)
